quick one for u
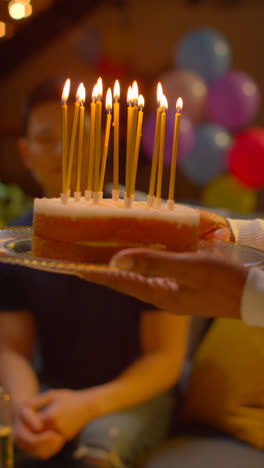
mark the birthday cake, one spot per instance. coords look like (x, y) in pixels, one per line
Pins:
(92, 229)
(87, 232)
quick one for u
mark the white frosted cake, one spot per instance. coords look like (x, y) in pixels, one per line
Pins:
(90, 232)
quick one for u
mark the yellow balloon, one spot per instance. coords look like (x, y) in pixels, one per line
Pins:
(227, 192)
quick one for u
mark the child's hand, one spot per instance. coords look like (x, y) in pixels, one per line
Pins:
(61, 411)
(30, 435)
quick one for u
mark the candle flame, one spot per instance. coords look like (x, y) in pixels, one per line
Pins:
(94, 93)
(164, 102)
(179, 104)
(82, 94)
(134, 93)
(135, 88)
(108, 100)
(79, 92)
(66, 91)
(159, 93)
(117, 90)
(141, 102)
(99, 88)
(129, 96)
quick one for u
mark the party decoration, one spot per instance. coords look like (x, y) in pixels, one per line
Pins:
(227, 192)
(233, 100)
(207, 159)
(186, 136)
(191, 87)
(203, 51)
(246, 157)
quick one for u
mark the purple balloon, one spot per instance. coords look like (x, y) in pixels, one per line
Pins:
(188, 85)
(233, 100)
(186, 136)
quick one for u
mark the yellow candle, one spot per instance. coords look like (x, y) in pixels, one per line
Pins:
(129, 116)
(138, 138)
(132, 138)
(64, 100)
(116, 135)
(164, 106)
(179, 105)
(91, 141)
(108, 107)
(156, 144)
(79, 161)
(73, 136)
(98, 121)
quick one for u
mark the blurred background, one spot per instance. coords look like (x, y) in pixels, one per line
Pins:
(209, 52)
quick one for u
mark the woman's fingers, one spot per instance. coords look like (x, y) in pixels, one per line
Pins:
(155, 291)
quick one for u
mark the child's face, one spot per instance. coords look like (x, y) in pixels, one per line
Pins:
(41, 149)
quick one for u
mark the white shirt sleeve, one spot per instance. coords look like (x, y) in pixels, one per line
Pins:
(252, 301)
(248, 232)
(251, 233)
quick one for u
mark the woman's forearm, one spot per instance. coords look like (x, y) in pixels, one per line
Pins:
(17, 376)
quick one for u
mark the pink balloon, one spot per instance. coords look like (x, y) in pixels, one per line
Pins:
(233, 100)
(190, 87)
(186, 136)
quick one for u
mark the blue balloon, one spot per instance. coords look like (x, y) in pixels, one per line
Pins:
(208, 157)
(205, 52)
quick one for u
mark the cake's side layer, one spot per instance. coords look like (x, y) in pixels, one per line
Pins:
(84, 253)
(175, 236)
(69, 251)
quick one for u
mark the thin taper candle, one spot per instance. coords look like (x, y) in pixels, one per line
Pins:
(64, 100)
(73, 136)
(116, 135)
(98, 120)
(80, 143)
(91, 141)
(132, 139)
(179, 104)
(155, 152)
(138, 138)
(106, 140)
(164, 106)
(129, 116)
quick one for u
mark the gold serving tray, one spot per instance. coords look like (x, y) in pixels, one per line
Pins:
(15, 246)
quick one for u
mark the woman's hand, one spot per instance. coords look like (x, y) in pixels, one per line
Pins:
(213, 226)
(185, 283)
(62, 411)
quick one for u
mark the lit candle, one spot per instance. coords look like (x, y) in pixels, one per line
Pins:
(108, 106)
(80, 145)
(164, 107)
(64, 100)
(98, 120)
(141, 104)
(129, 115)
(132, 140)
(179, 105)
(115, 192)
(155, 148)
(88, 192)
(73, 136)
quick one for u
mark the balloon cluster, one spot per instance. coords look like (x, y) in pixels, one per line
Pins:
(217, 151)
